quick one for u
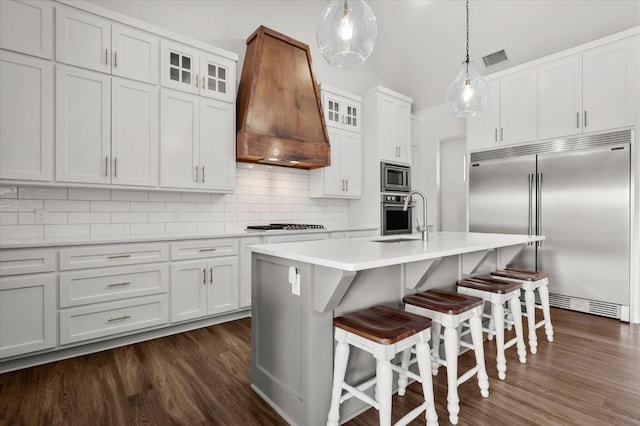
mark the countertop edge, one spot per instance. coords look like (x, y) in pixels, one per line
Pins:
(145, 238)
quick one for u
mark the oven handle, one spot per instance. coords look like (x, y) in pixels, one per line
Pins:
(401, 205)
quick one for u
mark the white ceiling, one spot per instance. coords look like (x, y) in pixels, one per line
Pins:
(421, 43)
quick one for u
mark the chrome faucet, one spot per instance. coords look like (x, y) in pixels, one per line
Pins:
(424, 228)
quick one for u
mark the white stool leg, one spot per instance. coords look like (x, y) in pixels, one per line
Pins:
(491, 326)
(402, 378)
(384, 376)
(339, 368)
(530, 302)
(544, 300)
(423, 356)
(514, 306)
(476, 336)
(498, 319)
(451, 352)
(435, 347)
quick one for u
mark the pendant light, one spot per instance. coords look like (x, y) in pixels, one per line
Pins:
(346, 33)
(468, 92)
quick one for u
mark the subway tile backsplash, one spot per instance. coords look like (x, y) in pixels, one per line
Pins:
(263, 194)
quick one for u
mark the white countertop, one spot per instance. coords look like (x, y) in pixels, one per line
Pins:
(142, 238)
(367, 253)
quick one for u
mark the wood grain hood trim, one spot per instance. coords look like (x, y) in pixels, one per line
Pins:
(279, 110)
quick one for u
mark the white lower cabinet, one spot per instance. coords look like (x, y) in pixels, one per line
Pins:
(27, 314)
(107, 284)
(106, 319)
(203, 287)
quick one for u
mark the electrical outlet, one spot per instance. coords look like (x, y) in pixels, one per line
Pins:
(41, 217)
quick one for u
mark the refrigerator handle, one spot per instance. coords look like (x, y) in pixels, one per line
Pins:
(539, 207)
(530, 229)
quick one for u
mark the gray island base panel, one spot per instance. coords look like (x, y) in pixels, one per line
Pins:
(298, 288)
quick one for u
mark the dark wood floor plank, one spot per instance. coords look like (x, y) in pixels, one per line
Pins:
(590, 375)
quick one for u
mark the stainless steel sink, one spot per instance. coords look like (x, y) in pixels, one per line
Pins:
(396, 240)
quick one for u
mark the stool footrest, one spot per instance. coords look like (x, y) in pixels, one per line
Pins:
(354, 391)
(411, 415)
(466, 345)
(510, 343)
(469, 374)
(406, 372)
(540, 324)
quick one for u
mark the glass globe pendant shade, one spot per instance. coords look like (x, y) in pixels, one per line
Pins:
(346, 33)
(468, 92)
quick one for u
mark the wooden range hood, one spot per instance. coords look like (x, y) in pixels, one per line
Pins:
(279, 112)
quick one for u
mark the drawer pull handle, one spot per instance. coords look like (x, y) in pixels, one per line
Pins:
(208, 249)
(124, 317)
(118, 284)
(119, 256)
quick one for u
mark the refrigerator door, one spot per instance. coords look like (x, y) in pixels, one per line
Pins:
(502, 200)
(584, 214)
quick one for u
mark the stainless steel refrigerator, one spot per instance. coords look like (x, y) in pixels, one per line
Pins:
(575, 192)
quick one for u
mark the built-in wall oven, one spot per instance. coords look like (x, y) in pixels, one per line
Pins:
(395, 220)
(394, 178)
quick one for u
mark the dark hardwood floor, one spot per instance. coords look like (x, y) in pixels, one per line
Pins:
(590, 375)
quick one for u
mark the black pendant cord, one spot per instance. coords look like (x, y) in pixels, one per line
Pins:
(467, 31)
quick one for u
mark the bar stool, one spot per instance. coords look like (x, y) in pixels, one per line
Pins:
(498, 293)
(383, 332)
(452, 309)
(532, 281)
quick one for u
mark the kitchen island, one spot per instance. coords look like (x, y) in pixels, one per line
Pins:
(298, 288)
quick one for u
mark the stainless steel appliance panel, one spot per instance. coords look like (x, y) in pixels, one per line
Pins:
(584, 214)
(502, 200)
(394, 178)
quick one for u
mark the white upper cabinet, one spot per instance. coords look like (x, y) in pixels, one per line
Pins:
(589, 91)
(135, 54)
(107, 129)
(191, 70)
(560, 97)
(510, 116)
(343, 178)
(216, 147)
(134, 133)
(217, 77)
(609, 85)
(92, 42)
(83, 125)
(83, 39)
(27, 27)
(394, 119)
(341, 109)
(26, 117)
(196, 137)
(179, 140)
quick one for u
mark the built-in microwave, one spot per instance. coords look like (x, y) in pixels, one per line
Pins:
(395, 177)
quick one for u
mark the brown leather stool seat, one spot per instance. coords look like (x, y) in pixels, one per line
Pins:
(443, 301)
(489, 284)
(382, 324)
(521, 274)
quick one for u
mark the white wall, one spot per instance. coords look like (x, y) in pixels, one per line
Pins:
(433, 124)
(263, 194)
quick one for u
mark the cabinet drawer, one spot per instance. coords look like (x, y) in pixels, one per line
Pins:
(15, 262)
(103, 285)
(112, 255)
(106, 319)
(204, 249)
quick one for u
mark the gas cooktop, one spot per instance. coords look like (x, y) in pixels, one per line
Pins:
(283, 227)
